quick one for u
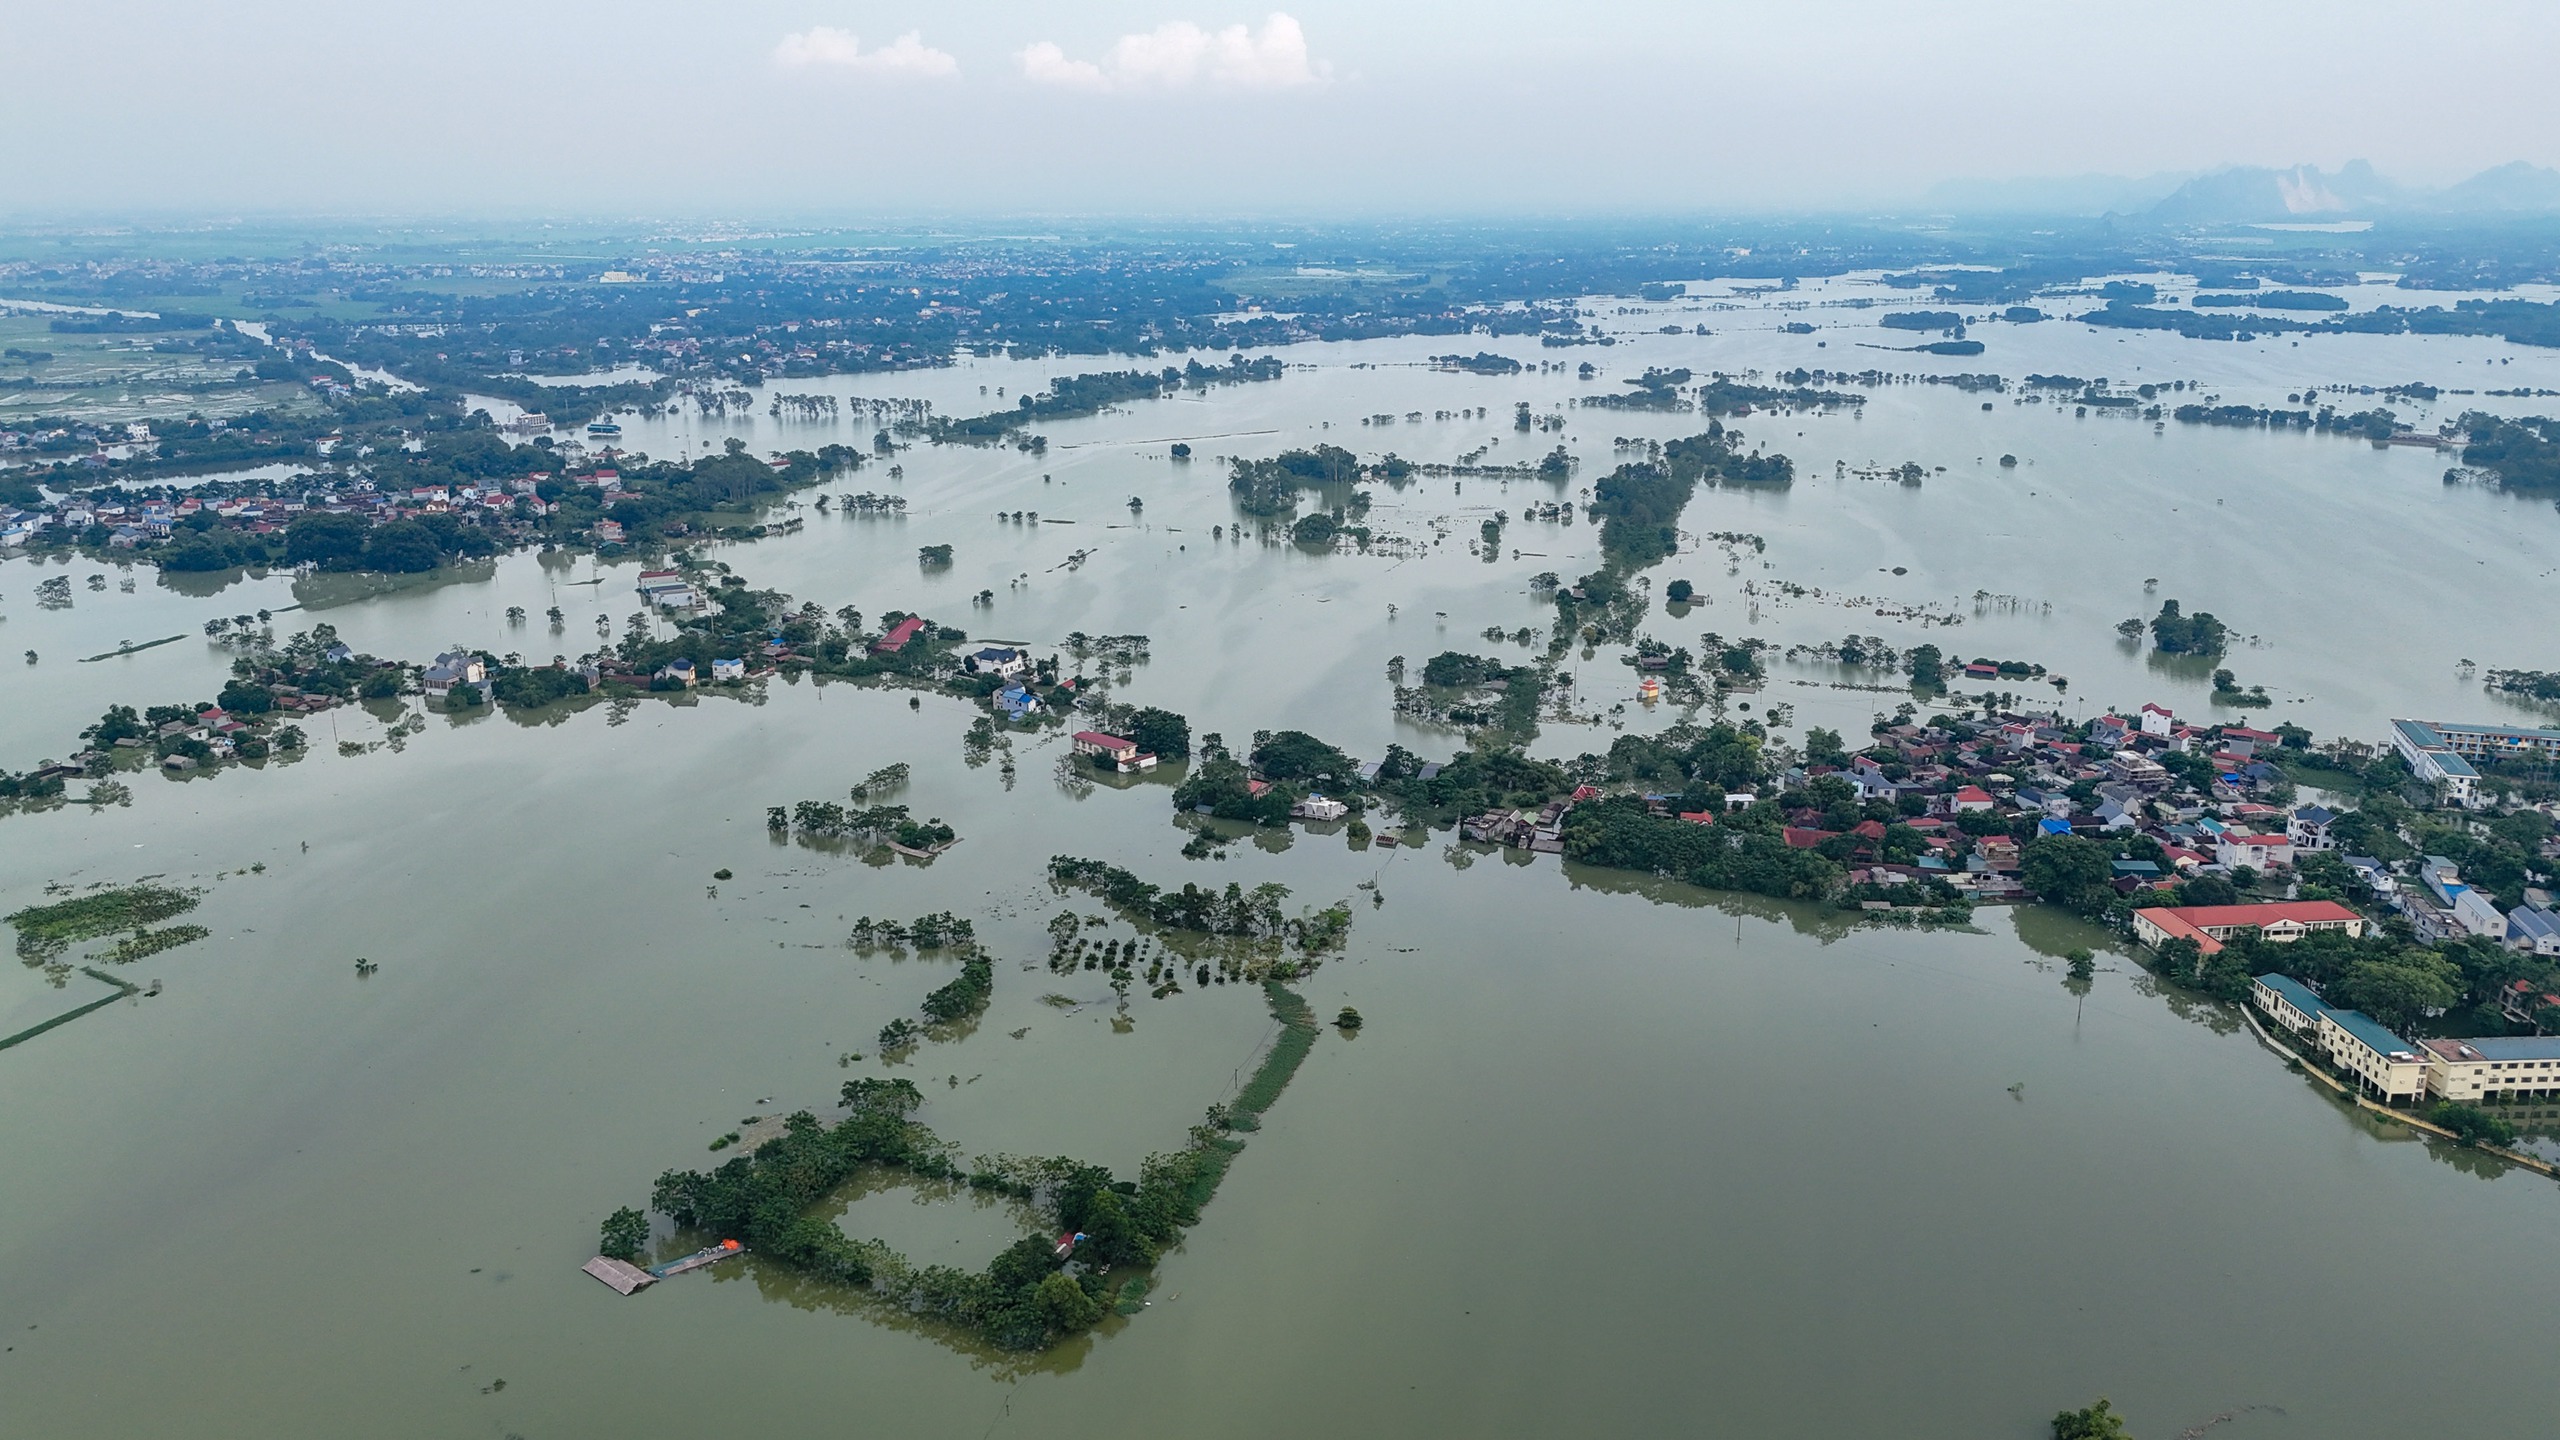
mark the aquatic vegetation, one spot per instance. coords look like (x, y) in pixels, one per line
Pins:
(143, 943)
(45, 931)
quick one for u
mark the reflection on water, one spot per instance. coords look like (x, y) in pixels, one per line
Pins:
(327, 590)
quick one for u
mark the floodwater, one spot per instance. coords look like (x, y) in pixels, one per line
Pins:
(1610, 1156)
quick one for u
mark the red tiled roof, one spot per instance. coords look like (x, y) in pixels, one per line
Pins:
(898, 637)
(2309, 912)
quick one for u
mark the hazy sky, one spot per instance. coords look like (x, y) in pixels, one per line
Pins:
(848, 108)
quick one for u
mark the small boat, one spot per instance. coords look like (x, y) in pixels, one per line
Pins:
(604, 428)
(699, 1258)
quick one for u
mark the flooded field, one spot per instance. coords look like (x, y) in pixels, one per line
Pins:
(1610, 1155)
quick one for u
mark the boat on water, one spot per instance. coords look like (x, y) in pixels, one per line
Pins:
(699, 1258)
(604, 428)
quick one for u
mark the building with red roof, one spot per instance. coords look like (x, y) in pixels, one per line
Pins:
(2209, 926)
(898, 636)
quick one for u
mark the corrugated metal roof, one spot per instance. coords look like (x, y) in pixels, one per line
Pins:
(2370, 1033)
(2295, 993)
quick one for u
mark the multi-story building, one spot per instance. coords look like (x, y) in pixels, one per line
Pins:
(2287, 1001)
(2210, 925)
(2494, 1069)
(2434, 759)
(2491, 742)
(2391, 1068)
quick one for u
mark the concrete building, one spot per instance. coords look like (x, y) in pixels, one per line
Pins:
(999, 660)
(2210, 925)
(2235, 849)
(454, 667)
(2391, 1068)
(2309, 828)
(2433, 759)
(2287, 1001)
(2494, 1070)
(1121, 755)
(2491, 742)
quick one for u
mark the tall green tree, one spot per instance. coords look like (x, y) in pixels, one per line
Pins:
(2093, 1422)
(2067, 870)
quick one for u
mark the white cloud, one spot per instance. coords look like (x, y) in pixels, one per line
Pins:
(1049, 65)
(824, 45)
(1178, 54)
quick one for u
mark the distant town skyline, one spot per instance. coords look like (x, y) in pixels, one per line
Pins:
(1321, 108)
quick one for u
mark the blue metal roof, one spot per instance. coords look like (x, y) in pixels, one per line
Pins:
(2531, 923)
(2419, 733)
(2515, 1047)
(2500, 732)
(2369, 1031)
(2295, 993)
(2423, 737)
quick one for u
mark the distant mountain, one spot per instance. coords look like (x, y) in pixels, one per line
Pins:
(2059, 195)
(2254, 195)
(2513, 186)
(2247, 194)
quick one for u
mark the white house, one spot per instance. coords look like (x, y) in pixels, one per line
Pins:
(1120, 754)
(2156, 720)
(2310, 828)
(728, 669)
(454, 667)
(2234, 849)
(999, 660)
(2478, 914)
(1317, 807)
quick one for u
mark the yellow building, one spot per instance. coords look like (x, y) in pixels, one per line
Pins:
(2391, 1068)
(2494, 1069)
